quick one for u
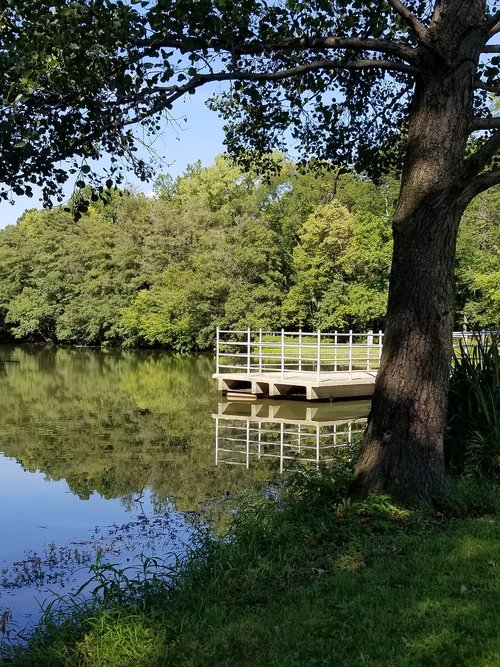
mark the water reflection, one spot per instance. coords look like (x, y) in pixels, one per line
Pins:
(112, 451)
(249, 432)
(100, 451)
(114, 423)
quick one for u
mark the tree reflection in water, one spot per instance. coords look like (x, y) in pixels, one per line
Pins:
(120, 428)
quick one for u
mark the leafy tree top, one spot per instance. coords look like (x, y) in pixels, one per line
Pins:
(84, 78)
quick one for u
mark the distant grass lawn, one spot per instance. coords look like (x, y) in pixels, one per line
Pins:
(311, 580)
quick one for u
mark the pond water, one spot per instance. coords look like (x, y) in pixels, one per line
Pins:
(113, 453)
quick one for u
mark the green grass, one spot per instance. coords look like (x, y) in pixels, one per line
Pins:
(310, 580)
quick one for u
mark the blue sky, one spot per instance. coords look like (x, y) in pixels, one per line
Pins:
(197, 135)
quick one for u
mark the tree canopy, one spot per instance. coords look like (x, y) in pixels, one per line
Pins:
(214, 247)
(336, 80)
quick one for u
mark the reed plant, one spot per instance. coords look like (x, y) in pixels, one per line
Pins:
(472, 441)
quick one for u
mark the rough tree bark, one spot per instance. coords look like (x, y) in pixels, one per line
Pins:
(402, 453)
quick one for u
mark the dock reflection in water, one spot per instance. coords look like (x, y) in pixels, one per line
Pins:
(290, 431)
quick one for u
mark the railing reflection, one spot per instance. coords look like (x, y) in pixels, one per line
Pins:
(287, 432)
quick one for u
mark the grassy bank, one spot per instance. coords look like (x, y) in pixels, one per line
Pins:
(309, 580)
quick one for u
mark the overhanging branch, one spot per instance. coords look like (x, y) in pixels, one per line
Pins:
(485, 123)
(495, 30)
(491, 48)
(492, 26)
(479, 184)
(410, 19)
(169, 94)
(256, 47)
(486, 86)
(482, 157)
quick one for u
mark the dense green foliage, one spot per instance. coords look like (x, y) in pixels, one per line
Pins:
(311, 579)
(220, 247)
(473, 434)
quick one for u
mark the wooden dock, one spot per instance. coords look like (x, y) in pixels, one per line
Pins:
(310, 365)
(336, 385)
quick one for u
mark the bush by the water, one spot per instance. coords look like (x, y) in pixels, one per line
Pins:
(473, 433)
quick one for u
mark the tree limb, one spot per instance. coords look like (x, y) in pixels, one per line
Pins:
(199, 80)
(481, 158)
(256, 47)
(495, 30)
(479, 184)
(170, 94)
(491, 48)
(410, 19)
(486, 86)
(492, 123)
(492, 26)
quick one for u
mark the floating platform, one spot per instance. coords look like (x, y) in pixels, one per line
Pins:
(336, 385)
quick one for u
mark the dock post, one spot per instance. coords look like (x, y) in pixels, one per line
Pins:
(350, 354)
(282, 353)
(249, 350)
(380, 345)
(319, 356)
(217, 352)
(300, 350)
(335, 343)
(369, 345)
(260, 350)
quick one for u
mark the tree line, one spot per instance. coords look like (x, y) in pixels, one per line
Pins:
(306, 248)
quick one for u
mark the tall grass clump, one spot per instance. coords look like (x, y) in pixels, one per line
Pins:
(472, 441)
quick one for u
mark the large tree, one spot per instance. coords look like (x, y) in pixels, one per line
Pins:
(374, 85)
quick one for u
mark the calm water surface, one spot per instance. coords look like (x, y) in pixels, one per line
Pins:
(114, 453)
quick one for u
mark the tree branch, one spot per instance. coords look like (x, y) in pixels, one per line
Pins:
(485, 123)
(481, 158)
(486, 86)
(479, 184)
(317, 43)
(200, 79)
(173, 93)
(410, 19)
(492, 26)
(491, 48)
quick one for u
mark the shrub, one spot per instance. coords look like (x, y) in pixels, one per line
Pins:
(472, 442)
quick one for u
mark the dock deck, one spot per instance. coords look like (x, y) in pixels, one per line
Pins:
(334, 385)
(314, 365)
(311, 365)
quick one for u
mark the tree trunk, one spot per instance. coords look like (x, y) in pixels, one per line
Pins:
(403, 448)
(402, 452)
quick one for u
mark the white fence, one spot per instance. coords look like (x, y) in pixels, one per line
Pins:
(258, 351)
(250, 352)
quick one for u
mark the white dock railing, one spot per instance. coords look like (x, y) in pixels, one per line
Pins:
(250, 352)
(259, 351)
